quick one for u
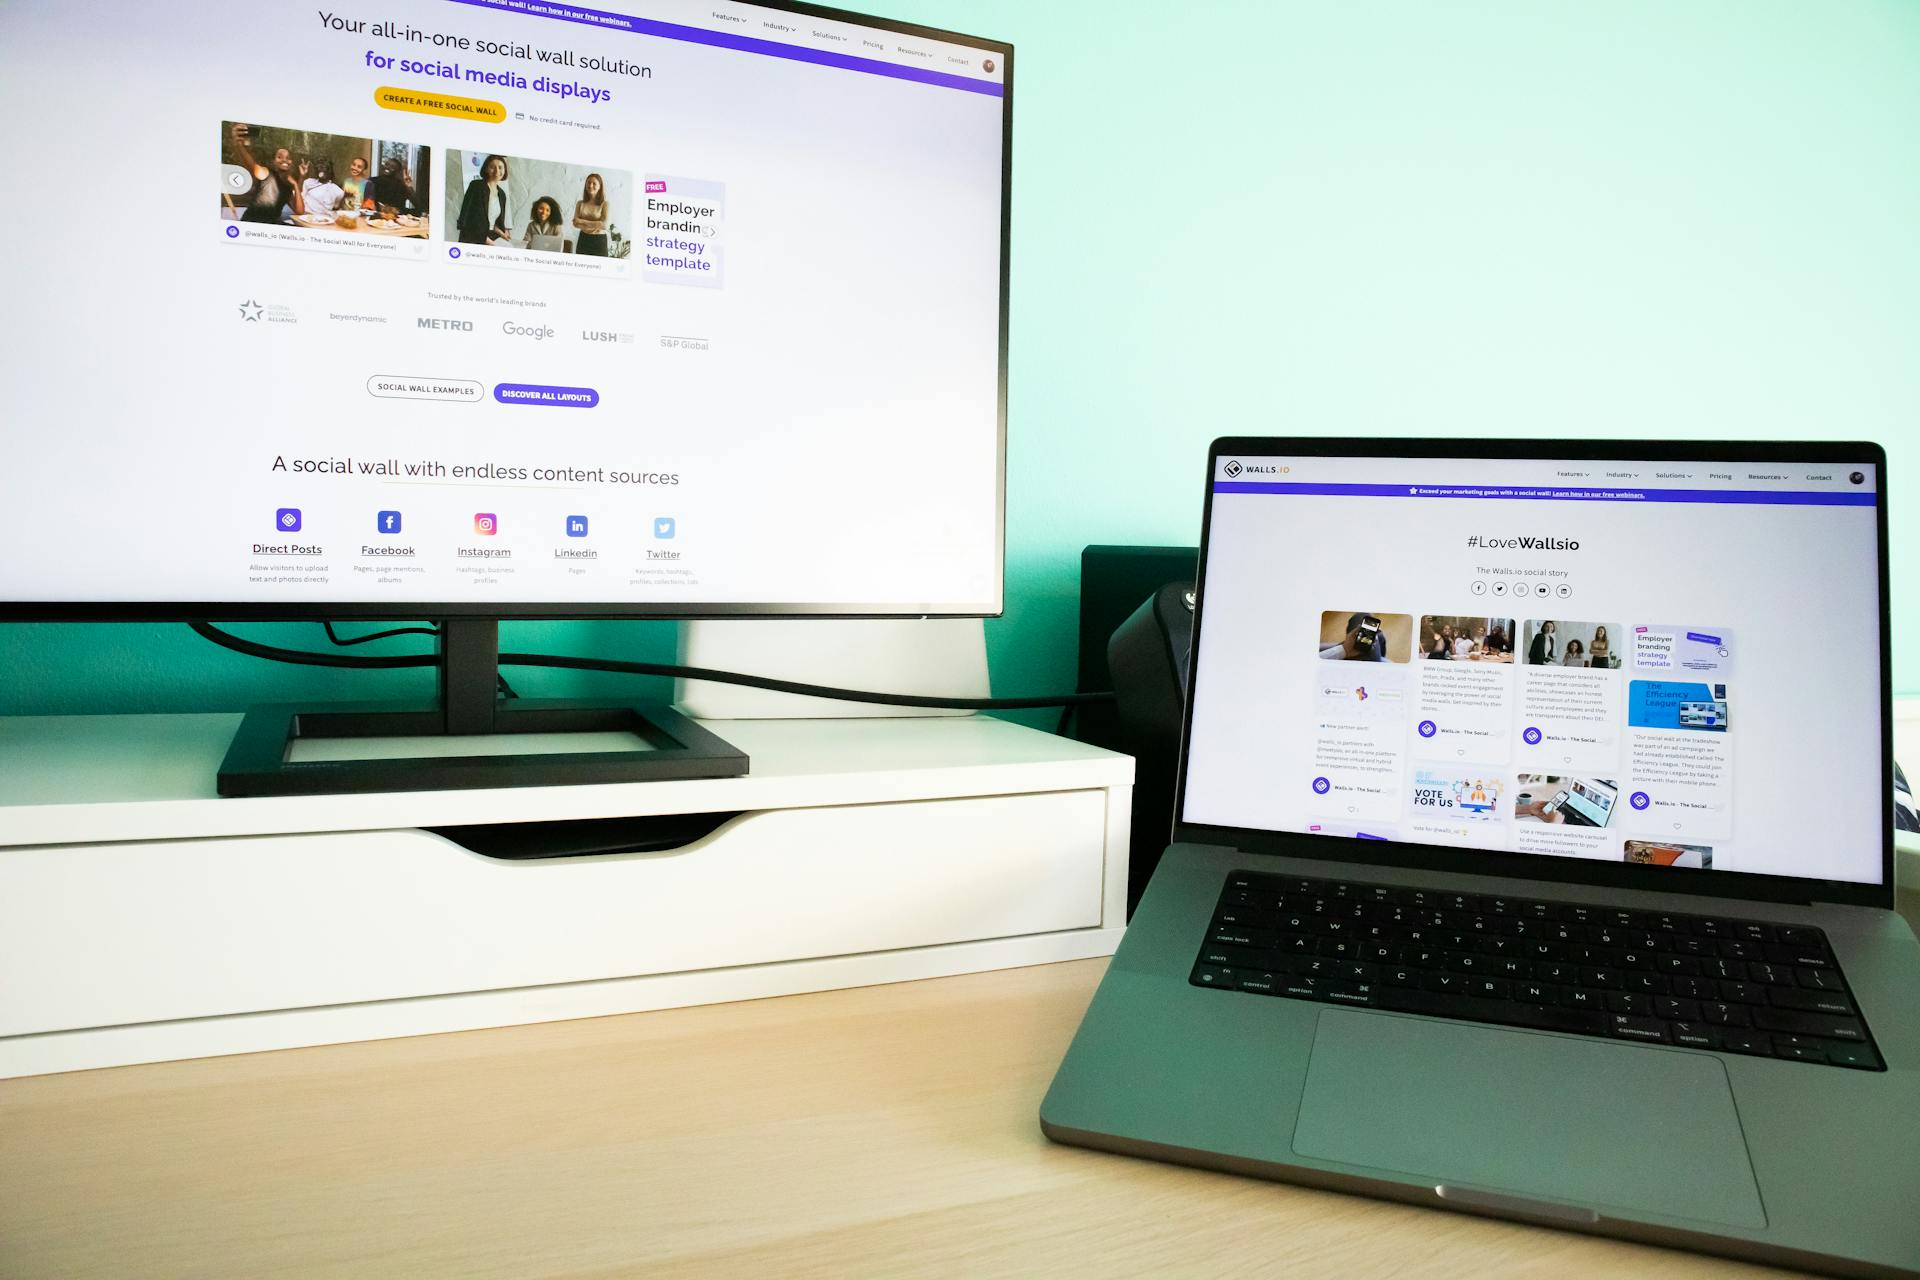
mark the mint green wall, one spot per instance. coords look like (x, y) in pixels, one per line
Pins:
(1509, 217)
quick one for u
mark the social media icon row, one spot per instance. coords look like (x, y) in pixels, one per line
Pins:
(485, 523)
(1540, 589)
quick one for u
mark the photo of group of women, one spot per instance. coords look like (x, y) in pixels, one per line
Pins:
(543, 206)
(304, 178)
(1456, 639)
(1551, 643)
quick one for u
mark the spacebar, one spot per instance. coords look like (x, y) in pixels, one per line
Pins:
(1544, 1017)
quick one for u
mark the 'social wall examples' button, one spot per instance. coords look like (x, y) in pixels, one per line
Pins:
(534, 393)
(428, 103)
(394, 386)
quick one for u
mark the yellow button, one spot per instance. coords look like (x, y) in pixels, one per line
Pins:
(439, 104)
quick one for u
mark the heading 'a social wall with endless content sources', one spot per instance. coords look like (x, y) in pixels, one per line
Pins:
(1495, 217)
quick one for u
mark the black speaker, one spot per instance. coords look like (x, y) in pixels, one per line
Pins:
(1148, 658)
(1117, 583)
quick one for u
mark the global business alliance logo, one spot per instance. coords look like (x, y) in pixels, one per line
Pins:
(254, 311)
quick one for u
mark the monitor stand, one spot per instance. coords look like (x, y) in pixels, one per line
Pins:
(262, 758)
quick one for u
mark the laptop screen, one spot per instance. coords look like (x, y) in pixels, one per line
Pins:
(1665, 663)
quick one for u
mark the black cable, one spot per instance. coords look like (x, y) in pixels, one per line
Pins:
(378, 635)
(303, 657)
(307, 658)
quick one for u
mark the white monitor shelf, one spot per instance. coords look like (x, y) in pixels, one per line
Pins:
(142, 918)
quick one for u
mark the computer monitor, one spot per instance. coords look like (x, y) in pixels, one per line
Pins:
(473, 310)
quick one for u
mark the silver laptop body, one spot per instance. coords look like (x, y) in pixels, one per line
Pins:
(1374, 735)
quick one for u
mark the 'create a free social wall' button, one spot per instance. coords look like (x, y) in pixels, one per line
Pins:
(536, 393)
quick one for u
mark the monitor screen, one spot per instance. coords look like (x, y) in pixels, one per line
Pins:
(1544, 656)
(495, 306)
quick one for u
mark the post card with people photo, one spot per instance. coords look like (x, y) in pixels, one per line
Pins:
(325, 182)
(539, 206)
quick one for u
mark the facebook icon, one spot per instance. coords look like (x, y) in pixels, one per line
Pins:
(388, 522)
(576, 526)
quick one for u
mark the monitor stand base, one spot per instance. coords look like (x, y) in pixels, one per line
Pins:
(653, 743)
(260, 760)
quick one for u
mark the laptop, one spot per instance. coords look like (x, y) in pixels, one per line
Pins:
(1567, 944)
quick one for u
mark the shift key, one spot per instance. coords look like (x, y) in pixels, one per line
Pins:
(1809, 1024)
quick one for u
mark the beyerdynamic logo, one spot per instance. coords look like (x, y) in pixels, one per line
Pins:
(1233, 468)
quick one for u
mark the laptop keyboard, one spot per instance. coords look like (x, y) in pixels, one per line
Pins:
(1700, 982)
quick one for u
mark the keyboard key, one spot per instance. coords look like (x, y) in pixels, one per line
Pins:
(1771, 975)
(1692, 988)
(1743, 992)
(1747, 1042)
(1490, 988)
(1606, 979)
(1795, 936)
(1726, 1015)
(1801, 957)
(1832, 1002)
(1740, 949)
(1695, 1035)
(1819, 979)
(1402, 977)
(1672, 1009)
(1647, 984)
(1852, 1055)
(1265, 983)
(1627, 1027)
(1349, 993)
(1627, 1002)
(1207, 975)
(1800, 1053)
(1809, 1024)
(1242, 957)
(1445, 983)
(1262, 939)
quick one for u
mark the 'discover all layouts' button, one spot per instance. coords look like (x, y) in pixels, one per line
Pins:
(555, 397)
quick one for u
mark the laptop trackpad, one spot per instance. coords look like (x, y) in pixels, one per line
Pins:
(1599, 1124)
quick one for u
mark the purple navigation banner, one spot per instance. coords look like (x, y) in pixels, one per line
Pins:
(1551, 493)
(608, 21)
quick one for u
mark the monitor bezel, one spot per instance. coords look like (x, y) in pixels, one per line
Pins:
(561, 611)
(1758, 886)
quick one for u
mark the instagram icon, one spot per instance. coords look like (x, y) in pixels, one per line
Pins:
(485, 522)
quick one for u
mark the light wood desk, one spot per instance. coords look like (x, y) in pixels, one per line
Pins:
(883, 1131)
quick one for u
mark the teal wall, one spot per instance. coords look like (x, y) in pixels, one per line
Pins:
(1503, 217)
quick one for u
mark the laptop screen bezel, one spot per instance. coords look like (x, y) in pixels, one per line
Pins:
(1758, 886)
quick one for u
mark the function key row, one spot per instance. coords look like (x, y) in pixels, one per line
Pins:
(1261, 889)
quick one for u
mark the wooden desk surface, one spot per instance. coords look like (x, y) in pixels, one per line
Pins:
(884, 1131)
